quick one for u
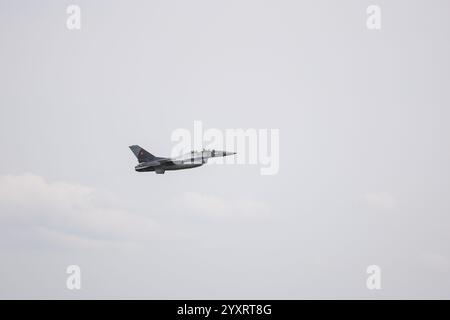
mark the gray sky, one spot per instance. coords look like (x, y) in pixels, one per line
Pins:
(364, 149)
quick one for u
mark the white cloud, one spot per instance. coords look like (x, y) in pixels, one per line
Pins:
(212, 207)
(381, 200)
(64, 213)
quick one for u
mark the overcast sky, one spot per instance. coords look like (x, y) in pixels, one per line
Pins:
(364, 175)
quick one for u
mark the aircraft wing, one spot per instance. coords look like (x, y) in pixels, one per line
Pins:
(166, 161)
(159, 162)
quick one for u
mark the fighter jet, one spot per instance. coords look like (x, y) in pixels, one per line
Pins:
(148, 162)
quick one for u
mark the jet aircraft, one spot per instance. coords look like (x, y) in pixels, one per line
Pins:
(193, 159)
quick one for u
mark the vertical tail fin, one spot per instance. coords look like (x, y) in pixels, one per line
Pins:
(141, 154)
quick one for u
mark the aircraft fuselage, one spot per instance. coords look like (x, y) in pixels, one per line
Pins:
(193, 159)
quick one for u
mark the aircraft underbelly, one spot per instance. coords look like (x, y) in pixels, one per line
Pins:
(182, 166)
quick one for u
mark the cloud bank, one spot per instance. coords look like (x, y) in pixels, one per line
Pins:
(32, 208)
